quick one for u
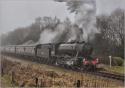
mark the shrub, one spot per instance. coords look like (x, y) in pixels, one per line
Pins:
(118, 61)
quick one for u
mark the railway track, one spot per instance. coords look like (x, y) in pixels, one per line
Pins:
(101, 74)
(105, 74)
(111, 75)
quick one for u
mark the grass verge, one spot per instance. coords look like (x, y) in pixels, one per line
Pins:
(115, 69)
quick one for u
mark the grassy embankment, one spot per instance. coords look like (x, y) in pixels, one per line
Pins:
(115, 69)
(6, 81)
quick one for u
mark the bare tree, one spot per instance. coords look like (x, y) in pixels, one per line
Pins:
(112, 29)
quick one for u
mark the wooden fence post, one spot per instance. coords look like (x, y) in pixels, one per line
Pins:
(41, 83)
(36, 81)
(2, 72)
(53, 79)
(78, 84)
(12, 79)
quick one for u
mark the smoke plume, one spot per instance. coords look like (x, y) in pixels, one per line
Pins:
(83, 29)
(86, 18)
(63, 32)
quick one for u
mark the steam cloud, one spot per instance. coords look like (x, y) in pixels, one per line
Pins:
(49, 35)
(85, 18)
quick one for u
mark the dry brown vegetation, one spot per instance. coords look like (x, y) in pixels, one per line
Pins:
(32, 75)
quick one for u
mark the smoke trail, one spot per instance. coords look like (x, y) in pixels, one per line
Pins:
(47, 36)
(86, 18)
(51, 36)
(85, 15)
(61, 33)
(75, 33)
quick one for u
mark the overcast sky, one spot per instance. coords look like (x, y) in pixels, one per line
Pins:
(21, 13)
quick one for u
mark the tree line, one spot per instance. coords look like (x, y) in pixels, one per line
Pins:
(110, 40)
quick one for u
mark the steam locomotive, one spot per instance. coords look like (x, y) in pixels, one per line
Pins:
(71, 54)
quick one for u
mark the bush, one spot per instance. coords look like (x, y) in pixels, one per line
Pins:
(117, 61)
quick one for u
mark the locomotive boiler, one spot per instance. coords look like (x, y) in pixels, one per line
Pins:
(73, 49)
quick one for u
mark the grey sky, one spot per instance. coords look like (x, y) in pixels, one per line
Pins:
(107, 6)
(21, 13)
(15, 14)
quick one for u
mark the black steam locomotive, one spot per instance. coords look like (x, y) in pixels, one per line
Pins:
(71, 54)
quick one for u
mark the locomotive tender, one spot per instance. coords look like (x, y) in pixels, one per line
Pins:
(71, 54)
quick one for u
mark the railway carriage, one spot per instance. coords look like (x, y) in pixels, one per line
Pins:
(9, 49)
(29, 50)
(43, 50)
(19, 50)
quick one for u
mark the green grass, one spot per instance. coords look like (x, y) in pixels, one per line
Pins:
(115, 69)
(6, 81)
